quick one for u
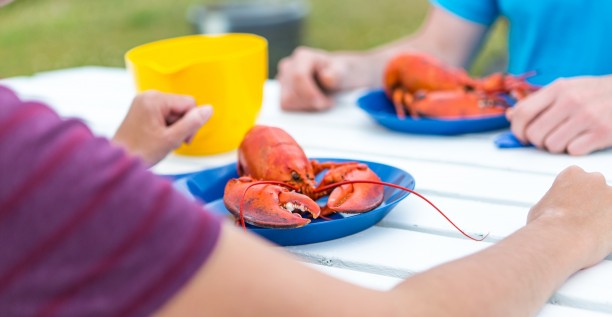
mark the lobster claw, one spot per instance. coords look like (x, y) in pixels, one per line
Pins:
(268, 206)
(356, 197)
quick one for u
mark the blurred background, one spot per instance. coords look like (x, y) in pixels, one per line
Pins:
(41, 35)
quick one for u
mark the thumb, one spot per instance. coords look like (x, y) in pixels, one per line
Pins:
(188, 125)
(330, 76)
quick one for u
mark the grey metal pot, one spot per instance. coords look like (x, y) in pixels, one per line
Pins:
(280, 22)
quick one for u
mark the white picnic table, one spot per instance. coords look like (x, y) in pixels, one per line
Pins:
(483, 189)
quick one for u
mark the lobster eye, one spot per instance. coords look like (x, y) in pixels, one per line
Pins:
(295, 176)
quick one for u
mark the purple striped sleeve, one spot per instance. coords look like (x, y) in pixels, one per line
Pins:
(84, 229)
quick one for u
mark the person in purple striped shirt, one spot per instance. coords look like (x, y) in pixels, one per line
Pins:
(87, 230)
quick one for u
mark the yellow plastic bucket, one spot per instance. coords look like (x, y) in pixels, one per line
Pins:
(225, 71)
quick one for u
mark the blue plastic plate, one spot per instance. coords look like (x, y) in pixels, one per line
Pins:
(208, 185)
(376, 104)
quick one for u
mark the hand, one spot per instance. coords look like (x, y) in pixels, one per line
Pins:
(581, 204)
(158, 123)
(570, 115)
(308, 76)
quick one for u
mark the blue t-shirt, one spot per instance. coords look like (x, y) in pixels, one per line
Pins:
(551, 37)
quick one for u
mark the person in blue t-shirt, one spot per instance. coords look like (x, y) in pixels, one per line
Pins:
(569, 54)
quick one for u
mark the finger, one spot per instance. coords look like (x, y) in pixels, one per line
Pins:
(527, 110)
(302, 94)
(559, 139)
(172, 118)
(309, 89)
(288, 99)
(586, 143)
(545, 123)
(509, 113)
(329, 75)
(178, 104)
(300, 90)
(188, 125)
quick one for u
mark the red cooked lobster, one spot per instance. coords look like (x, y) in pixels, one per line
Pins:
(423, 86)
(269, 154)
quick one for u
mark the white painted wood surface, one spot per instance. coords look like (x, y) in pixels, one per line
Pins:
(482, 188)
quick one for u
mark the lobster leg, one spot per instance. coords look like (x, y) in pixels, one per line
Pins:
(268, 206)
(398, 103)
(351, 198)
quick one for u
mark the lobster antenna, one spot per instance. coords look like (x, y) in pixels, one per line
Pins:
(528, 74)
(410, 191)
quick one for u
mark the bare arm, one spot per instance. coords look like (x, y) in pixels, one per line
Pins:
(435, 38)
(309, 74)
(569, 229)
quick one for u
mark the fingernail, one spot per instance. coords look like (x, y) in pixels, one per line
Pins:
(205, 112)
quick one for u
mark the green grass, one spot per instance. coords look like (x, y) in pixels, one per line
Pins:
(40, 35)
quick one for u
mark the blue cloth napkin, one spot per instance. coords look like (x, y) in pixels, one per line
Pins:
(507, 140)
